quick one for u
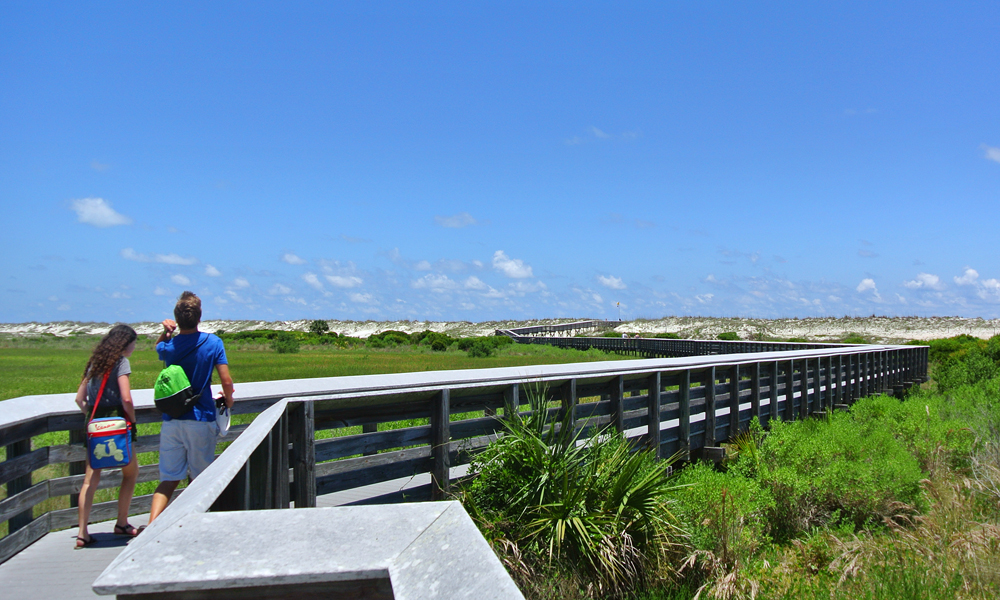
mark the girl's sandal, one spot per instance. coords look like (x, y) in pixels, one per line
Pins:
(126, 529)
(84, 542)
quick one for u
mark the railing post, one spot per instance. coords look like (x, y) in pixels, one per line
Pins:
(653, 406)
(261, 490)
(568, 402)
(302, 431)
(617, 394)
(279, 446)
(369, 428)
(755, 391)
(734, 401)
(839, 398)
(808, 393)
(684, 401)
(18, 485)
(828, 383)
(710, 407)
(511, 402)
(77, 437)
(864, 363)
(790, 391)
(856, 388)
(440, 442)
(772, 406)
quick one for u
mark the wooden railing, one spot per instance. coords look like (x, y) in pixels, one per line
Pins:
(420, 550)
(433, 421)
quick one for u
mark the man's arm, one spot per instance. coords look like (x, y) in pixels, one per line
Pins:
(227, 383)
(169, 326)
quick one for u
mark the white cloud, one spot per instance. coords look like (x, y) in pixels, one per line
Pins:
(991, 153)
(462, 219)
(869, 284)
(990, 290)
(167, 259)
(161, 291)
(279, 290)
(521, 288)
(180, 280)
(241, 282)
(342, 281)
(313, 280)
(434, 282)
(422, 266)
(704, 298)
(511, 267)
(212, 271)
(362, 298)
(292, 259)
(612, 282)
(174, 259)
(98, 212)
(474, 283)
(925, 281)
(969, 277)
(599, 134)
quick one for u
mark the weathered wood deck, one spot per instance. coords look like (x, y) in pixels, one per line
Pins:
(51, 568)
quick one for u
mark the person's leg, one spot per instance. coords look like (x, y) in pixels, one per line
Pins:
(91, 479)
(130, 473)
(201, 440)
(161, 497)
(173, 465)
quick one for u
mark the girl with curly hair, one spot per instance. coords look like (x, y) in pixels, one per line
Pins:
(111, 357)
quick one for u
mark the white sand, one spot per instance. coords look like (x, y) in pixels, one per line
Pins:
(876, 329)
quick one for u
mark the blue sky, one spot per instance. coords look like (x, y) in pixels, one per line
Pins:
(477, 161)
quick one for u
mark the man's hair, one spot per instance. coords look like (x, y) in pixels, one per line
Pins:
(187, 312)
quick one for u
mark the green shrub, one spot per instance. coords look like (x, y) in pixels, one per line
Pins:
(967, 366)
(491, 342)
(602, 507)
(319, 327)
(667, 336)
(435, 340)
(855, 338)
(727, 514)
(729, 336)
(375, 342)
(822, 472)
(438, 346)
(391, 337)
(285, 344)
(480, 349)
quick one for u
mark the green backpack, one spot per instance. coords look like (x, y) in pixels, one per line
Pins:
(172, 392)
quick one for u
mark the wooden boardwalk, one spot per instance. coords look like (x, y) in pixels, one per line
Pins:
(51, 568)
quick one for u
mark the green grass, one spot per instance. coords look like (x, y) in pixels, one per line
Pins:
(50, 369)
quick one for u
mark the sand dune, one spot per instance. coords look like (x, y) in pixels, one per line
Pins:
(876, 329)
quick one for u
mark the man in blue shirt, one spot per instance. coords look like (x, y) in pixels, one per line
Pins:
(187, 443)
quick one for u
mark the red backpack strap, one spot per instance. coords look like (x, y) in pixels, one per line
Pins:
(100, 393)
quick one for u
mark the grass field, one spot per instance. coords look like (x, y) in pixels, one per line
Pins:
(52, 367)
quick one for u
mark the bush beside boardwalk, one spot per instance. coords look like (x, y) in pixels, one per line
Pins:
(889, 500)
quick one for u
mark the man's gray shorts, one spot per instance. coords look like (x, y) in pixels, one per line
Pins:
(186, 448)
